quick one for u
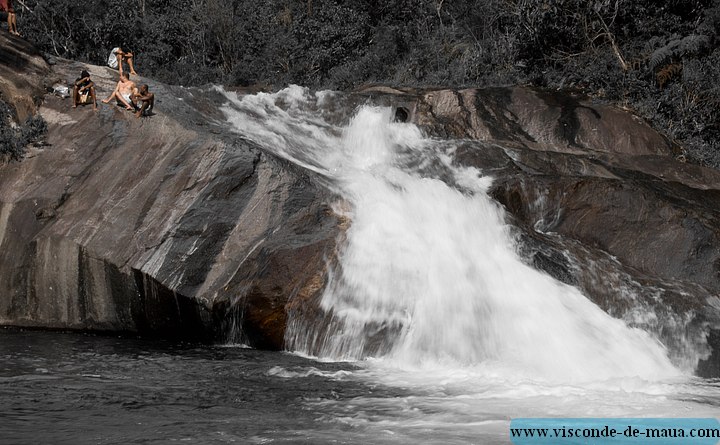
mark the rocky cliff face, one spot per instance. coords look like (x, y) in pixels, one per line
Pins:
(22, 71)
(601, 202)
(171, 225)
(162, 225)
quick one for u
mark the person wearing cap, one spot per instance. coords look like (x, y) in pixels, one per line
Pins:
(84, 90)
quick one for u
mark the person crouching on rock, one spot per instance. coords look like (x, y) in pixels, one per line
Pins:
(123, 93)
(84, 91)
(147, 98)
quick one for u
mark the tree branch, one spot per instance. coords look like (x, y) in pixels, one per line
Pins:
(614, 45)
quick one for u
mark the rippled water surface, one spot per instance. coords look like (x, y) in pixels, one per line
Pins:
(472, 336)
(71, 388)
(63, 388)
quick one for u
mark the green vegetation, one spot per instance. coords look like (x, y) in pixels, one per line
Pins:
(657, 57)
(14, 138)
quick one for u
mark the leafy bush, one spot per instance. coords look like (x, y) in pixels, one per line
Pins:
(14, 138)
(611, 50)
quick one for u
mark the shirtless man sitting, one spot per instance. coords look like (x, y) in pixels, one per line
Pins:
(124, 92)
(147, 98)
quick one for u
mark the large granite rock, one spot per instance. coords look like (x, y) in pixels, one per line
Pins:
(173, 226)
(167, 225)
(600, 201)
(22, 71)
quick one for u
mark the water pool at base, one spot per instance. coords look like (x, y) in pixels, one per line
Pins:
(65, 388)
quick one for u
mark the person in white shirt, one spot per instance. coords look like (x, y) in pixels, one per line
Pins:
(117, 57)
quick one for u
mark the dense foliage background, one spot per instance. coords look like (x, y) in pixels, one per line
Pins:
(659, 58)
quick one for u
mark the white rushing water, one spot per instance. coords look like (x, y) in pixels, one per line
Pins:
(431, 295)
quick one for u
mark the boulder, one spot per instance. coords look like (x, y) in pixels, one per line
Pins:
(167, 225)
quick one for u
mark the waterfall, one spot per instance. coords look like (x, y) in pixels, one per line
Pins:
(429, 276)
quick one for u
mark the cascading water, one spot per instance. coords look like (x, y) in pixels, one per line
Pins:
(432, 264)
(429, 289)
(438, 262)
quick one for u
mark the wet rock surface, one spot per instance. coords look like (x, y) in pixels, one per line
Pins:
(163, 225)
(170, 225)
(22, 72)
(599, 201)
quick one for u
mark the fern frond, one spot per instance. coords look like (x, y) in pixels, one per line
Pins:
(693, 44)
(662, 56)
(678, 48)
(668, 73)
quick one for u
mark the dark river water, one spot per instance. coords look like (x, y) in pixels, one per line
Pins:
(62, 388)
(70, 388)
(475, 336)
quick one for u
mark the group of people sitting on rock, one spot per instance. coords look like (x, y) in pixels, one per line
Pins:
(126, 93)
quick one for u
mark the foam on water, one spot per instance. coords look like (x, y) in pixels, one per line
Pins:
(435, 261)
(430, 293)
